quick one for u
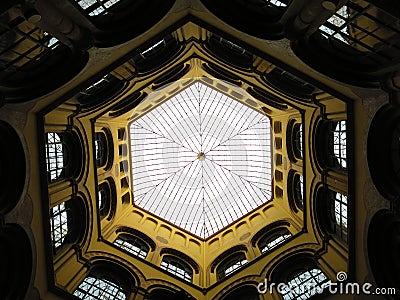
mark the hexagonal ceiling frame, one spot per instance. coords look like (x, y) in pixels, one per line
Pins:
(201, 159)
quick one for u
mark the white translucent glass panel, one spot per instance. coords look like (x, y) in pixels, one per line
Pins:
(97, 146)
(301, 186)
(54, 156)
(275, 242)
(100, 289)
(338, 20)
(97, 85)
(341, 211)
(53, 42)
(235, 266)
(300, 140)
(201, 160)
(177, 269)
(339, 143)
(59, 224)
(277, 3)
(151, 49)
(102, 197)
(133, 246)
(305, 285)
(96, 7)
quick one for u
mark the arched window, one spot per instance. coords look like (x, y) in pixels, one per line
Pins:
(294, 140)
(67, 222)
(356, 25)
(56, 156)
(302, 277)
(98, 86)
(358, 38)
(299, 186)
(332, 210)
(63, 155)
(133, 245)
(30, 56)
(290, 84)
(106, 281)
(339, 211)
(103, 198)
(100, 91)
(101, 149)
(274, 239)
(153, 49)
(231, 264)
(230, 52)
(177, 267)
(331, 146)
(107, 199)
(99, 288)
(96, 7)
(337, 25)
(298, 140)
(297, 193)
(157, 54)
(339, 144)
(304, 284)
(60, 217)
(295, 188)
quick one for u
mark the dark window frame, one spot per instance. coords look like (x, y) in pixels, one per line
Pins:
(108, 287)
(171, 264)
(101, 149)
(224, 268)
(272, 236)
(54, 141)
(61, 220)
(143, 249)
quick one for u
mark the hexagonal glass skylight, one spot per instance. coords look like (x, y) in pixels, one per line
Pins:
(201, 160)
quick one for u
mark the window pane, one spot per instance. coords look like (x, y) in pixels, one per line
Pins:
(299, 190)
(298, 140)
(337, 25)
(339, 143)
(59, 225)
(275, 241)
(366, 28)
(132, 245)
(230, 265)
(340, 212)
(101, 289)
(305, 285)
(153, 49)
(177, 268)
(96, 7)
(55, 159)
